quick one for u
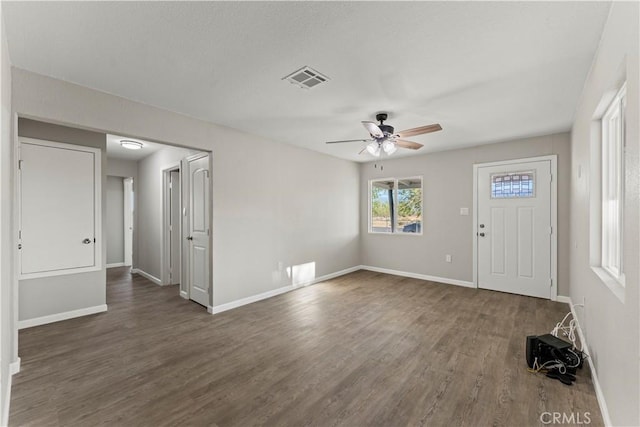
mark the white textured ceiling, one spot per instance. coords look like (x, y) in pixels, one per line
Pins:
(486, 71)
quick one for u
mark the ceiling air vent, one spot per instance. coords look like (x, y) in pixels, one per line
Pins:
(306, 78)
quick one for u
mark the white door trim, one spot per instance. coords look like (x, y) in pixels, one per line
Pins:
(97, 206)
(127, 184)
(554, 215)
(166, 215)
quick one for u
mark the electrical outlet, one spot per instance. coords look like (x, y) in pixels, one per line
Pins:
(447, 258)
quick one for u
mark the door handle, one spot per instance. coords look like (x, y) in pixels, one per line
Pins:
(87, 241)
(481, 234)
(190, 238)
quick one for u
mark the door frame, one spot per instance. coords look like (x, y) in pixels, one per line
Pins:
(185, 284)
(166, 216)
(553, 158)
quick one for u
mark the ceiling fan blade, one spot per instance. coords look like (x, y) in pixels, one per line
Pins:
(408, 144)
(373, 129)
(349, 140)
(419, 131)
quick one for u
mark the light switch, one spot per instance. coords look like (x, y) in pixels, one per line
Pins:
(464, 211)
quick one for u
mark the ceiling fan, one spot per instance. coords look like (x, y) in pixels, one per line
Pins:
(383, 138)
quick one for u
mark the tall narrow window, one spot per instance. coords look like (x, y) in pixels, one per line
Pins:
(613, 184)
(395, 205)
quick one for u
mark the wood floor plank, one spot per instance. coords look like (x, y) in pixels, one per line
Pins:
(362, 349)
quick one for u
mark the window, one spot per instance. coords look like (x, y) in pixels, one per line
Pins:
(395, 205)
(512, 185)
(613, 184)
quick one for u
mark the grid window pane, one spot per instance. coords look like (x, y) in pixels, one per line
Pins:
(513, 185)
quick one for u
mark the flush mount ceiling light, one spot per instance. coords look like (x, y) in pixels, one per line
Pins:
(130, 145)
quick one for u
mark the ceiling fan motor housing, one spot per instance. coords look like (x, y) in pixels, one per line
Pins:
(386, 129)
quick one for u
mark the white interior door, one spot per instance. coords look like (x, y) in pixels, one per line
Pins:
(198, 175)
(514, 228)
(59, 208)
(128, 221)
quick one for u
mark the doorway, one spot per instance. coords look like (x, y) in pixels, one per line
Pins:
(186, 227)
(515, 244)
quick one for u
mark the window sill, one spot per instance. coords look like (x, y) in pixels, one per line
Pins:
(615, 285)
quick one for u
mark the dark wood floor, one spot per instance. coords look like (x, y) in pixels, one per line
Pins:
(362, 349)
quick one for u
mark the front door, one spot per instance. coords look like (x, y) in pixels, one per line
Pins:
(198, 274)
(514, 227)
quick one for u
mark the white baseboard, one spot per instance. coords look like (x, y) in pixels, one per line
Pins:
(37, 321)
(420, 276)
(272, 293)
(4, 421)
(183, 294)
(14, 367)
(146, 275)
(115, 264)
(594, 376)
(563, 299)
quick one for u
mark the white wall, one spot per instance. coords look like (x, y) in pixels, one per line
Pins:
(122, 168)
(115, 220)
(53, 295)
(447, 187)
(149, 213)
(8, 337)
(610, 325)
(272, 203)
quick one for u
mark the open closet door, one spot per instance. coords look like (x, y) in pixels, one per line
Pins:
(198, 213)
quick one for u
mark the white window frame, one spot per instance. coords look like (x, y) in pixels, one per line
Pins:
(612, 220)
(394, 220)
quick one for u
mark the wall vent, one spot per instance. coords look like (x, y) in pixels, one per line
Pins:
(306, 78)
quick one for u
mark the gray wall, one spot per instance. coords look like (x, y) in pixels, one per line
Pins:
(122, 168)
(8, 337)
(610, 325)
(149, 212)
(274, 205)
(115, 220)
(445, 231)
(57, 294)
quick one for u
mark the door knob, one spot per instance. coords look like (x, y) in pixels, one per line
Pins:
(481, 225)
(87, 241)
(481, 234)
(190, 238)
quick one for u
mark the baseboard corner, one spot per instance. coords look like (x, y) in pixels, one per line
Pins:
(14, 367)
(146, 275)
(420, 276)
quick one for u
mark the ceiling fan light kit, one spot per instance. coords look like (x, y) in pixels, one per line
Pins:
(384, 139)
(389, 147)
(374, 149)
